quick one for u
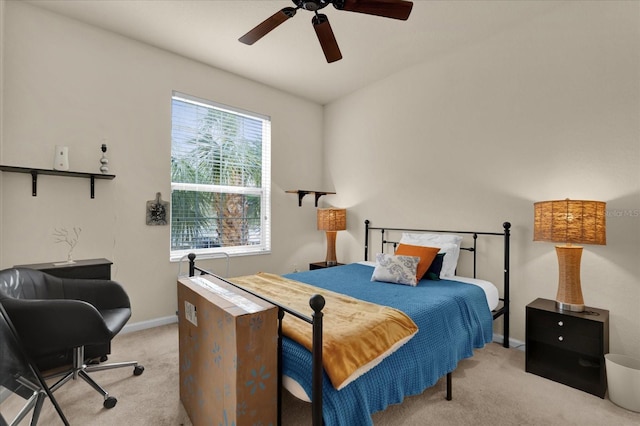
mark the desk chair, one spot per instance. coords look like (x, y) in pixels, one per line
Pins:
(53, 315)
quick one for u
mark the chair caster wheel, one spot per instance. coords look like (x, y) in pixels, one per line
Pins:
(103, 358)
(138, 370)
(110, 402)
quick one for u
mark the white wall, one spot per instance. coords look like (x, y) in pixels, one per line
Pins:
(66, 83)
(548, 110)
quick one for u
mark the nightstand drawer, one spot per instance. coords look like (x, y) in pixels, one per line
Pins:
(565, 331)
(549, 322)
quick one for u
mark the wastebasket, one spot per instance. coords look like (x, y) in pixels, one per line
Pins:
(623, 381)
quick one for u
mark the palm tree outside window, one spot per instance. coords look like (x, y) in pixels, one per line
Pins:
(220, 179)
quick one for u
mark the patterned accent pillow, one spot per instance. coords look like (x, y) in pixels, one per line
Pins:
(396, 269)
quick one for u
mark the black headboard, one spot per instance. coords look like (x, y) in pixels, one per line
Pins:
(505, 234)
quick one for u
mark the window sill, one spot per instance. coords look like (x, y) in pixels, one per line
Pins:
(205, 255)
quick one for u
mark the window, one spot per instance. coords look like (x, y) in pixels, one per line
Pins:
(220, 179)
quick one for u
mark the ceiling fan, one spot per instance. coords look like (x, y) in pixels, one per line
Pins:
(396, 9)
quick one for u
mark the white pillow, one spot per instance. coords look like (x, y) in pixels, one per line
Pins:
(396, 269)
(448, 243)
(450, 259)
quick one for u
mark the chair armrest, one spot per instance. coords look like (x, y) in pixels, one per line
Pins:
(47, 326)
(103, 294)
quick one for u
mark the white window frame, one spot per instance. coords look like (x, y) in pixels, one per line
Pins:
(264, 192)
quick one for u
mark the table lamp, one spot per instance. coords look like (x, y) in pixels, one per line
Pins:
(570, 221)
(332, 220)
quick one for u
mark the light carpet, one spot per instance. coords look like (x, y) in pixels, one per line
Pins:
(491, 388)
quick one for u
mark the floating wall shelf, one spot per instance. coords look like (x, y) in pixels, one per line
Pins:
(35, 172)
(301, 193)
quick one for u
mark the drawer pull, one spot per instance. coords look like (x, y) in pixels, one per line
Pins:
(560, 323)
(561, 338)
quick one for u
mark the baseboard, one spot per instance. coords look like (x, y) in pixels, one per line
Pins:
(143, 325)
(513, 343)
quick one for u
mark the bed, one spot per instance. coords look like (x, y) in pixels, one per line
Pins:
(454, 315)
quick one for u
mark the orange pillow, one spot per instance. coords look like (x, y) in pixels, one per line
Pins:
(426, 255)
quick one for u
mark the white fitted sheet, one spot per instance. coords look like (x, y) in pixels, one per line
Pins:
(490, 290)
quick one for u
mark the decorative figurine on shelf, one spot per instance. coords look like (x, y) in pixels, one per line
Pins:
(104, 162)
(61, 158)
(63, 235)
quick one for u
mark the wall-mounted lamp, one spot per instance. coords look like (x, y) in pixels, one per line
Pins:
(332, 220)
(570, 221)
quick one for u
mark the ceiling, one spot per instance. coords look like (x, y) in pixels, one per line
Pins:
(290, 58)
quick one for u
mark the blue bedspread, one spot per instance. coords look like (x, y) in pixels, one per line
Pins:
(453, 319)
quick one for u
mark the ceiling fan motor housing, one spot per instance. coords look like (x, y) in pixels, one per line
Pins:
(312, 5)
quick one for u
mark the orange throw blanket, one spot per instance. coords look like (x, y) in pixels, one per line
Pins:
(357, 335)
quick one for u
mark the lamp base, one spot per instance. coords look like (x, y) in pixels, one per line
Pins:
(563, 306)
(569, 297)
(331, 249)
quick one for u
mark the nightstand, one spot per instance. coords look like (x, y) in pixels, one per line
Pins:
(321, 265)
(568, 347)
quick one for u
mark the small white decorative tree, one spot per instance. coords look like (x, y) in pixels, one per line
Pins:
(63, 235)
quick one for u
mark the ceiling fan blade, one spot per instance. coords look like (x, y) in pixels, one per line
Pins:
(326, 38)
(396, 9)
(269, 24)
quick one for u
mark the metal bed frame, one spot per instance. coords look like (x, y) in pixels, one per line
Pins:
(506, 234)
(317, 302)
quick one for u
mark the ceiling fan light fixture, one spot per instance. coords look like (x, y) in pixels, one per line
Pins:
(311, 5)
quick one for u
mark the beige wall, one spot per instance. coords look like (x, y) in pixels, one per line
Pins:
(547, 110)
(71, 84)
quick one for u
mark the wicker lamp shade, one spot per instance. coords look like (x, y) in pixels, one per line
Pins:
(332, 220)
(570, 221)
